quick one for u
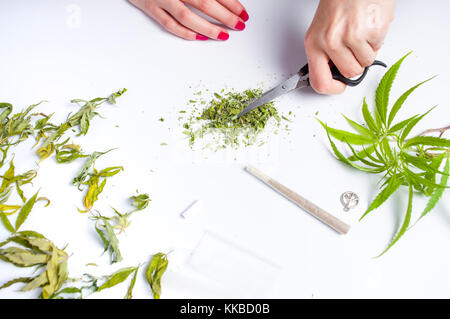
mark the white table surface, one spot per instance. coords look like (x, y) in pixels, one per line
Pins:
(57, 50)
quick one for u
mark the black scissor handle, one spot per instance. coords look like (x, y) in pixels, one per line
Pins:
(338, 76)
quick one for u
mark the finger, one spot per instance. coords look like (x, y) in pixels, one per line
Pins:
(362, 51)
(236, 7)
(173, 26)
(320, 75)
(135, 2)
(194, 22)
(345, 61)
(376, 45)
(376, 38)
(215, 10)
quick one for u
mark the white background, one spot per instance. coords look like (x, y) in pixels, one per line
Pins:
(57, 50)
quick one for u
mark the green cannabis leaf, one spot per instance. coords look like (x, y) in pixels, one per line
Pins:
(381, 147)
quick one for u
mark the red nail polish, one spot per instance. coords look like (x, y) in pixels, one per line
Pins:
(223, 36)
(240, 26)
(244, 15)
(201, 37)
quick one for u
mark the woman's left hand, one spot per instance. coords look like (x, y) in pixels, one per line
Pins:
(180, 20)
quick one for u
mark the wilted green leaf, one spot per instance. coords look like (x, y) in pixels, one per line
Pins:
(6, 222)
(37, 282)
(69, 153)
(116, 278)
(8, 178)
(83, 174)
(25, 211)
(116, 256)
(129, 294)
(154, 272)
(103, 238)
(15, 281)
(108, 237)
(140, 201)
(23, 257)
(52, 276)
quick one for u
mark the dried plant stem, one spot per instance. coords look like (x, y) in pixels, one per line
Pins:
(441, 131)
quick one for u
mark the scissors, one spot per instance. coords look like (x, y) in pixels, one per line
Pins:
(301, 80)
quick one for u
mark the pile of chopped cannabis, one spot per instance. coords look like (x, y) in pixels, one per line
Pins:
(220, 121)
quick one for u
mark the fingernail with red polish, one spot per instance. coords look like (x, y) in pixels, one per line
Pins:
(244, 15)
(223, 36)
(240, 26)
(201, 37)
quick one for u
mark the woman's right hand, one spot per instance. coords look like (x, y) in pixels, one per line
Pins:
(180, 20)
(349, 33)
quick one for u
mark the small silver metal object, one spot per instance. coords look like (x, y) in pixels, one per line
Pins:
(349, 200)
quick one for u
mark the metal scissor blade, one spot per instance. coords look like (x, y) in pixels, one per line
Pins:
(290, 84)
